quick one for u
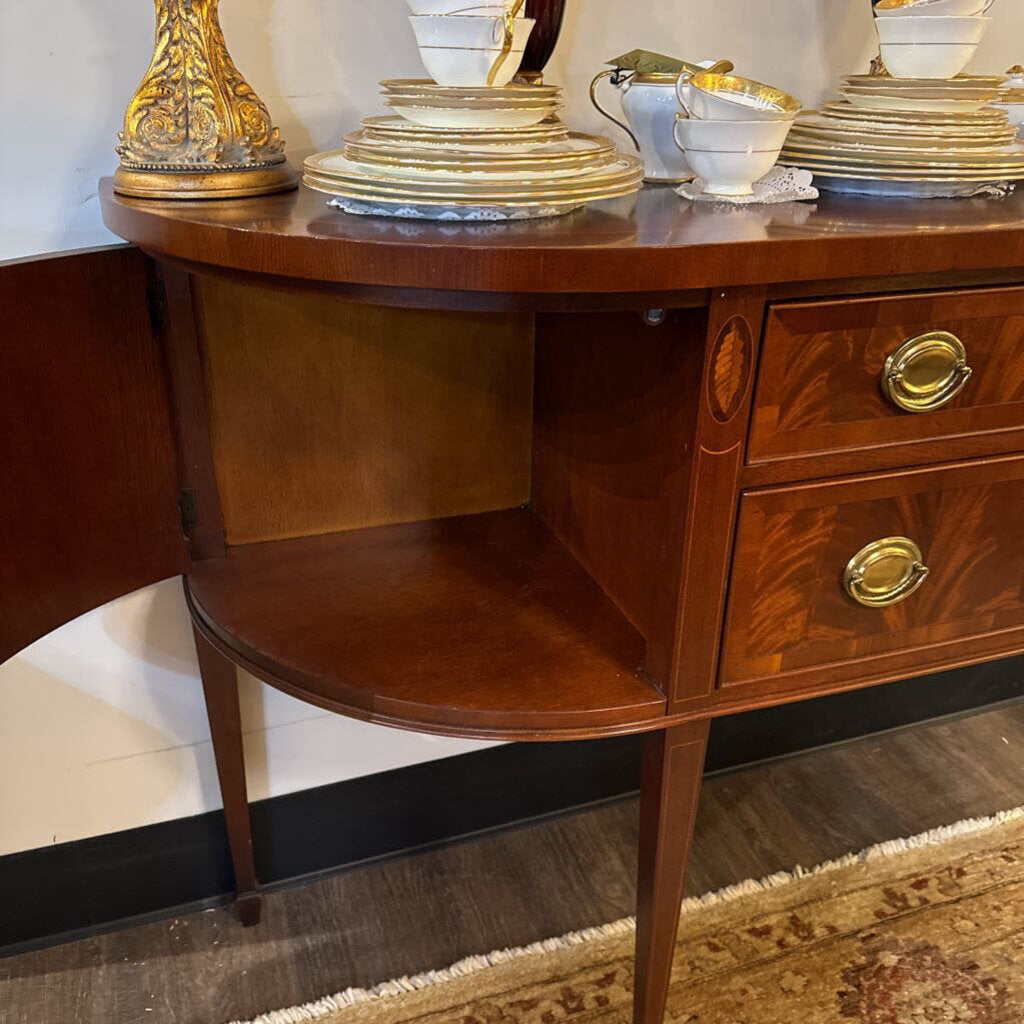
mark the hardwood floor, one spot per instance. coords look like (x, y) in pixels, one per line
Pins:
(510, 888)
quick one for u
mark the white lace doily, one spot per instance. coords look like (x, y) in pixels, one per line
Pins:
(779, 185)
(461, 214)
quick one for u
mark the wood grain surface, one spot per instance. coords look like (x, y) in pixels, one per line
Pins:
(725, 389)
(819, 386)
(789, 616)
(648, 243)
(332, 416)
(614, 411)
(477, 625)
(90, 489)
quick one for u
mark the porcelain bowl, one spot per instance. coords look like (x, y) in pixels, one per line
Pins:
(928, 8)
(468, 66)
(910, 28)
(731, 155)
(713, 97)
(474, 8)
(931, 60)
(468, 30)
(462, 49)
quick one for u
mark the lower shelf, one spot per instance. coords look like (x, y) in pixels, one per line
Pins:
(478, 625)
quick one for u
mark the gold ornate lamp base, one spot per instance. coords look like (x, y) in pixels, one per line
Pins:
(216, 183)
(195, 129)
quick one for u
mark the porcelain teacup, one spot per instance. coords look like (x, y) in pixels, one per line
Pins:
(730, 155)
(465, 50)
(710, 96)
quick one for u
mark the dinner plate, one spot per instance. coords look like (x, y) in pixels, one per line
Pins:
(624, 186)
(935, 106)
(906, 188)
(334, 165)
(579, 151)
(887, 140)
(975, 118)
(574, 145)
(395, 125)
(473, 117)
(960, 82)
(909, 133)
(482, 172)
(1012, 156)
(833, 165)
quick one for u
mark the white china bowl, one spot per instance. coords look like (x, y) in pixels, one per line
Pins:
(477, 8)
(731, 155)
(928, 8)
(943, 29)
(467, 66)
(467, 30)
(929, 46)
(931, 60)
(462, 49)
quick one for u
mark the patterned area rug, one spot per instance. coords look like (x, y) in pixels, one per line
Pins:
(927, 930)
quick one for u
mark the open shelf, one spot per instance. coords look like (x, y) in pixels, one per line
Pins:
(478, 625)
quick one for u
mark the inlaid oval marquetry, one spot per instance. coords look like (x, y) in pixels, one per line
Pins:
(731, 360)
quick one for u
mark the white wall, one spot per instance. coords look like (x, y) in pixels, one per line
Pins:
(101, 724)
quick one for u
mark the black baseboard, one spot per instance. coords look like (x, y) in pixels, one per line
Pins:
(74, 889)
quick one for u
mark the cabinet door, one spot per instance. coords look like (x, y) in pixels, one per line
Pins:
(90, 505)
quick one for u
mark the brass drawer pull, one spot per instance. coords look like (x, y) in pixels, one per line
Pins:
(885, 572)
(926, 372)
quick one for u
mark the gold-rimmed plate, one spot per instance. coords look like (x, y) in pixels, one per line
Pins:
(960, 82)
(455, 171)
(625, 186)
(474, 118)
(829, 165)
(335, 166)
(575, 145)
(427, 87)
(885, 140)
(986, 116)
(872, 101)
(949, 154)
(911, 131)
(394, 125)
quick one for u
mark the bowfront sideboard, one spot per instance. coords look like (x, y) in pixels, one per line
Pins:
(623, 471)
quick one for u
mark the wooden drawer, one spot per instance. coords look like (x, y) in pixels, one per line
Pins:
(791, 622)
(819, 388)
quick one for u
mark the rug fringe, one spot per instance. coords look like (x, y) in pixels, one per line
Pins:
(471, 964)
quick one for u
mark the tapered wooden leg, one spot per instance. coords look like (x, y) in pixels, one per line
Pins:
(673, 761)
(220, 687)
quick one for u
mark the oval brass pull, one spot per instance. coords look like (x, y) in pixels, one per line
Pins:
(926, 372)
(885, 572)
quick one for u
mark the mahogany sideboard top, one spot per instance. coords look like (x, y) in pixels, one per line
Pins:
(642, 245)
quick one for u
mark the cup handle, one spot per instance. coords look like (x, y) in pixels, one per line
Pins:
(609, 73)
(511, 11)
(682, 82)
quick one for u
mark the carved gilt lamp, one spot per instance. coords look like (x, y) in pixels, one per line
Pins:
(195, 129)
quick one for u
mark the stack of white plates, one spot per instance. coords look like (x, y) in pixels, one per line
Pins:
(441, 106)
(963, 94)
(471, 154)
(908, 137)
